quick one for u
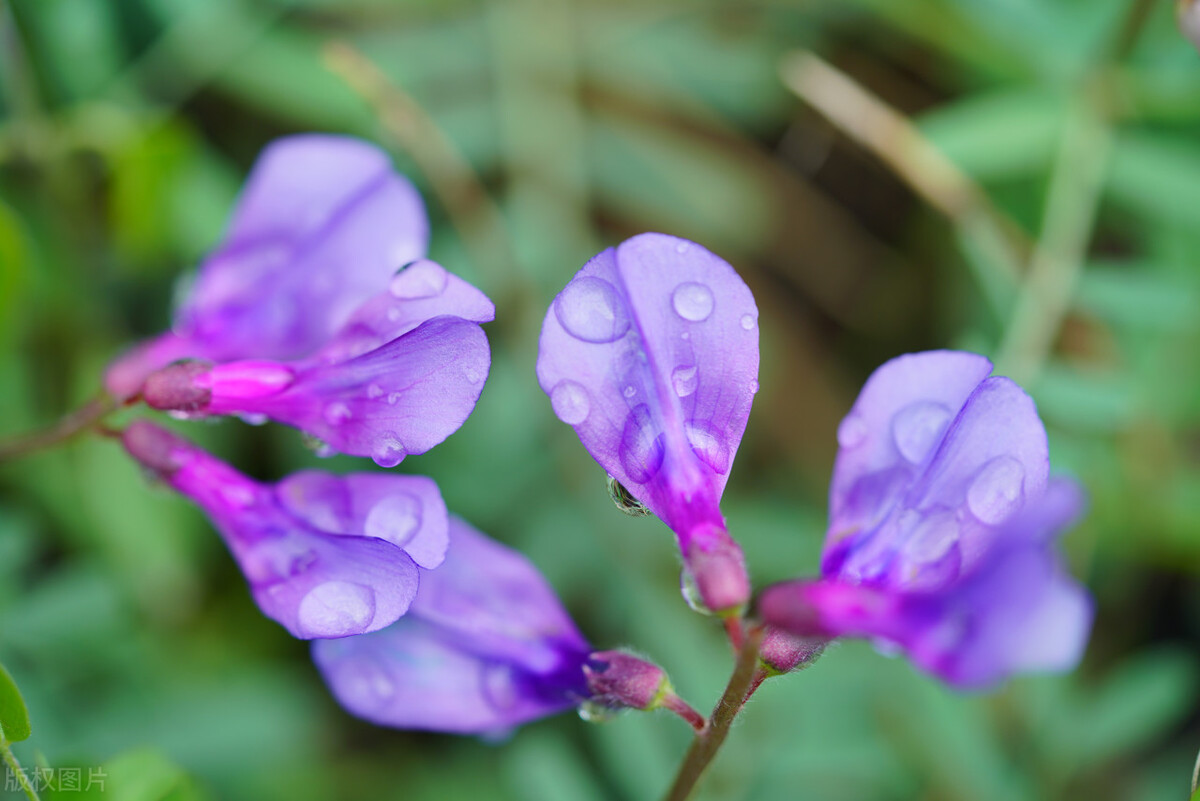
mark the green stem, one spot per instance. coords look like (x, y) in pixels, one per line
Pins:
(710, 739)
(14, 767)
(74, 423)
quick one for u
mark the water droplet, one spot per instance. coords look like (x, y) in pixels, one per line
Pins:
(374, 391)
(421, 279)
(592, 310)
(500, 685)
(708, 444)
(318, 446)
(593, 712)
(918, 427)
(394, 314)
(682, 246)
(365, 681)
(641, 448)
(930, 539)
(684, 380)
(997, 490)
(852, 431)
(252, 419)
(472, 375)
(388, 451)
(624, 501)
(237, 495)
(692, 301)
(686, 335)
(690, 590)
(337, 413)
(748, 322)
(394, 398)
(336, 609)
(275, 560)
(754, 386)
(570, 402)
(629, 391)
(395, 518)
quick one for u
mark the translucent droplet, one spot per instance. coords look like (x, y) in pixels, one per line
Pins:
(708, 444)
(394, 314)
(374, 391)
(748, 322)
(629, 391)
(684, 380)
(318, 446)
(918, 427)
(365, 681)
(852, 431)
(641, 448)
(500, 685)
(754, 386)
(930, 539)
(337, 413)
(275, 560)
(250, 418)
(593, 712)
(682, 247)
(692, 301)
(624, 501)
(592, 310)
(395, 518)
(472, 375)
(336, 609)
(570, 402)
(686, 335)
(997, 490)
(393, 398)
(691, 592)
(388, 451)
(421, 279)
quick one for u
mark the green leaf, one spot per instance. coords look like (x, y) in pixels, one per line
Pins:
(142, 775)
(14, 717)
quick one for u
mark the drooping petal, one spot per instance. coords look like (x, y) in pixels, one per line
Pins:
(321, 225)
(486, 646)
(651, 354)
(308, 568)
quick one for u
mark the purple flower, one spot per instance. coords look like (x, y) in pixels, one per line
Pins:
(485, 646)
(942, 528)
(392, 382)
(325, 556)
(322, 223)
(651, 354)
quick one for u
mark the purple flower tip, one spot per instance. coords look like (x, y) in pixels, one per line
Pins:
(486, 646)
(714, 567)
(325, 556)
(321, 224)
(621, 680)
(176, 388)
(942, 528)
(782, 652)
(651, 353)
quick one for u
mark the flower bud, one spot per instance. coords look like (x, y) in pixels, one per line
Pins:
(620, 680)
(175, 388)
(714, 569)
(782, 652)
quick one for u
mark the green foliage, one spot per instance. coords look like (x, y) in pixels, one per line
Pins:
(14, 717)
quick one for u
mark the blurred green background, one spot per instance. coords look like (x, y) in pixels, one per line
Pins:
(1068, 246)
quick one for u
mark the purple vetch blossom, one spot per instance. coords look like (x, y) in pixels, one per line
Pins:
(321, 224)
(651, 354)
(324, 555)
(402, 375)
(943, 521)
(485, 646)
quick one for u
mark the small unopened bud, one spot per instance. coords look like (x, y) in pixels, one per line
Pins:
(174, 388)
(1188, 12)
(620, 680)
(781, 652)
(154, 448)
(715, 568)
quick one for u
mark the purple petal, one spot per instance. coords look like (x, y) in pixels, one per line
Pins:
(651, 353)
(407, 511)
(314, 583)
(321, 225)
(486, 646)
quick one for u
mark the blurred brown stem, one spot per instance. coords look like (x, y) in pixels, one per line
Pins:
(893, 138)
(472, 211)
(709, 740)
(74, 423)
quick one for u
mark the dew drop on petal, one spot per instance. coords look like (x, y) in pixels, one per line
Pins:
(374, 391)
(337, 413)
(252, 418)
(686, 335)
(692, 301)
(394, 314)
(684, 379)
(996, 491)
(682, 247)
(472, 375)
(852, 431)
(641, 448)
(421, 279)
(336, 609)
(365, 681)
(748, 322)
(570, 402)
(591, 309)
(393, 398)
(708, 444)
(500, 685)
(918, 427)
(395, 518)
(629, 391)
(388, 451)
(689, 588)
(593, 712)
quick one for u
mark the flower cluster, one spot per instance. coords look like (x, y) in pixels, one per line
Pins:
(321, 312)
